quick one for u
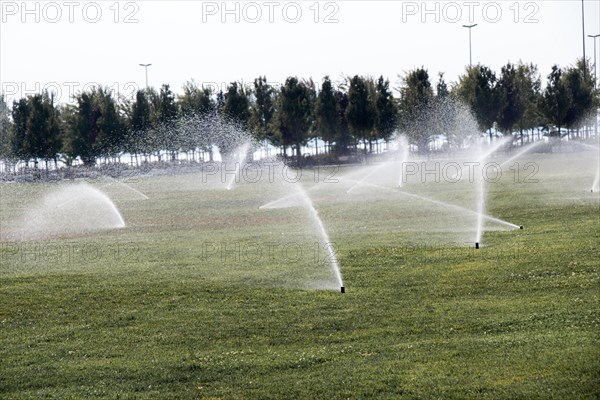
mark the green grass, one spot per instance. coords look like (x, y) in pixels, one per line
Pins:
(142, 312)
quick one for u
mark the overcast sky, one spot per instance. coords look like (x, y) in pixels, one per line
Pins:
(66, 45)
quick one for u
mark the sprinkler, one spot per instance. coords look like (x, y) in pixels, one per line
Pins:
(343, 289)
(476, 245)
(521, 227)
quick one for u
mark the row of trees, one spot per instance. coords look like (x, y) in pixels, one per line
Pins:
(360, 109)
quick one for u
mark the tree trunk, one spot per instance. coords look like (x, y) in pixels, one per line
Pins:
(521, 137)
(299, 154)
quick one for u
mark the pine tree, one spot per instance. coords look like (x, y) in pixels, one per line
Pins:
(415, 108)
(360, 111)
(295, 114)
(327, 112)
(477, 88)
(263, 110)
(386, 117)
(555, 102)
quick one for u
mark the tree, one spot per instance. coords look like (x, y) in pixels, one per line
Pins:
(386, 116)
(512, 103)
(327, 112)
(312, 132)
(167, 136)
(361, 111)
(96, 128)
(582, 96)
(343, 138)
(139, 124)
(85, 130)
(20, 116)
(111, 127)
(530, 87)
(42, 139)
(5, 130)
(450, 117)
(196, 107)
(295, 114)
(415, 108)
(196, 101)
(555, 102)
(237, 106)
(166, 108)
(263, 110)
(441, 88)
(477, 88)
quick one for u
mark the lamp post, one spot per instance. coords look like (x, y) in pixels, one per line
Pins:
(469, 27)
(146, 68)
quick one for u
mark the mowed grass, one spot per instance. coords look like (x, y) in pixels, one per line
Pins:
(168, 307)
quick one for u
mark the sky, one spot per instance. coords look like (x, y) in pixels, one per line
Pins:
(68, 46)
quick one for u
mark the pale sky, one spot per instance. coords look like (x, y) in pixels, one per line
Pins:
(66, 45)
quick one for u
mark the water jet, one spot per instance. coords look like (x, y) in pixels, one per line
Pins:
(71, 210)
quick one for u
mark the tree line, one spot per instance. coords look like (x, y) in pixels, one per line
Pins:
(360, 109)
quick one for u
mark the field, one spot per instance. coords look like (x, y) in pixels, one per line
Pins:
(205, 295)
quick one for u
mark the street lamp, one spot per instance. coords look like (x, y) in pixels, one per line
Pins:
(470, 58)
(146, 67)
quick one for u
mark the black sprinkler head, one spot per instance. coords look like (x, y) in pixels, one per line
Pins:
(521, 227)
(343, 289)
(476, 245)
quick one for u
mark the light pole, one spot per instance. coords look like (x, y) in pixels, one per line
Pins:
(470, 58)
(595, 74)
(146, 67)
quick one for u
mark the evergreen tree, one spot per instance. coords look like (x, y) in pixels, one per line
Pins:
(20, 116)
(295, 114)
(140, 124)
(196, 107)
(5, 131)
(327, 112)
(583, 100)
(361, 111)
(111, 127)
(42, 138)
(343, 138)
(477, 88)
(263, 110)
(196, 101)
(529, 84)
(237, 106)
(555, 102)
(386, 114)
(415, 108)
(512, 103)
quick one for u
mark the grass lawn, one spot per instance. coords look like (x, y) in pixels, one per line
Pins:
(204, 295)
